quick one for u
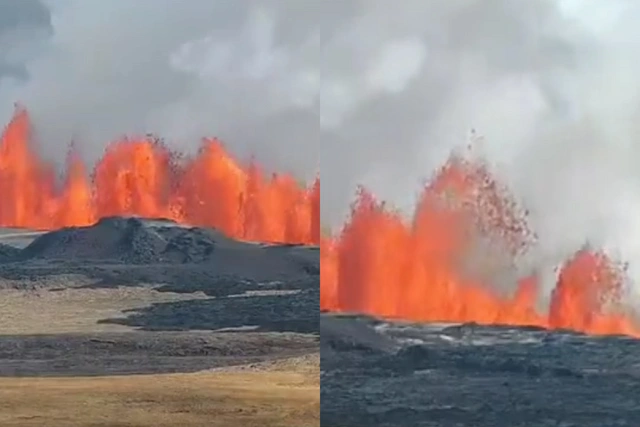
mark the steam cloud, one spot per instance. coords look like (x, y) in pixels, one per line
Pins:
(551, 86)
(245, 71)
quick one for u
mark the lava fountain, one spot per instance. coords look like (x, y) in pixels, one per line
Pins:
(144, 178)
(465, 237)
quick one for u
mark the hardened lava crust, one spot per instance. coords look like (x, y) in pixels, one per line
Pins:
(384, 374)
(132, 295)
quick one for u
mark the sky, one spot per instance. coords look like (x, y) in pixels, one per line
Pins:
(370, 93)
(244, 71)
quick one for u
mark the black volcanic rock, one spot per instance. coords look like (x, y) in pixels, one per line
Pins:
(130, 251)
(142, 352)
(473, 375)
(119, 239)
(344, 333)
(143, 241)
(8, 253)
(294, 312)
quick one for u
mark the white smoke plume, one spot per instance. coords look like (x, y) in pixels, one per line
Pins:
(246, 71)
(381, 92)
(551, 86)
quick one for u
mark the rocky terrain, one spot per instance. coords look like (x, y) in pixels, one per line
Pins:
(132, 295)
(377, 373)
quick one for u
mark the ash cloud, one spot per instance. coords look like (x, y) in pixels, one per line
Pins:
(551, 86)
(245, 71)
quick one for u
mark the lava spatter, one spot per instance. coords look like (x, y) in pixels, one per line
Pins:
(466, 232)
(144, 178)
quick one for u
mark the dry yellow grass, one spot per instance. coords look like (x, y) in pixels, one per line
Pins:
(276, 397)
(75, 310)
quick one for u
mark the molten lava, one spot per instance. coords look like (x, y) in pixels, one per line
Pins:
(466, 236)
(143, 178)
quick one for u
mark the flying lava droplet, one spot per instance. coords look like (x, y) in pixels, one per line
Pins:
(441, 267)
(142, 177)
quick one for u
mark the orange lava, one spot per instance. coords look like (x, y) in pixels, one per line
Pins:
(142, 177)
(466, 234)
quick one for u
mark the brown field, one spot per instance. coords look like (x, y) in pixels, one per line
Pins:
(73, 310)
(284, 394)
(272, 393)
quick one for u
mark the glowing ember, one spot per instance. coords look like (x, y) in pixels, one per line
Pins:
(141, 177)
(466, 235)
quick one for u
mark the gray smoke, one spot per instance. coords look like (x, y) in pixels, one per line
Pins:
(551, 85)
(89, 70)
(552, 88)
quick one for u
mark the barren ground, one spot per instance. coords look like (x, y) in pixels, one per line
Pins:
(395, 374)
(73, 310)
(106, 344)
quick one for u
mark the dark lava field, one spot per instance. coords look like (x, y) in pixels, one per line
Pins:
(376, 373)
(260, 301)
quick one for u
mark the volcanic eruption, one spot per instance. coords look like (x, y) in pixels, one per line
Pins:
(467, 234)
(142, 177)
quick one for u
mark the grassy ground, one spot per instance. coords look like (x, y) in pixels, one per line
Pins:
(75, 310)
(287, 394)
